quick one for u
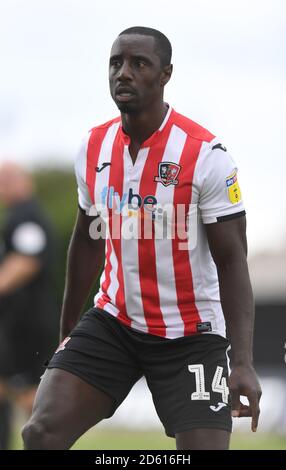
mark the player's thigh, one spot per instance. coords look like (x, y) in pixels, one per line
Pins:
(89, 375)
(67, 405)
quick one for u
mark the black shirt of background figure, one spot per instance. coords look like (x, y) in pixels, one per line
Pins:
(28, 314)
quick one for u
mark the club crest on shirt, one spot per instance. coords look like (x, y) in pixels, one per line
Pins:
(167, 173)
(233, 188)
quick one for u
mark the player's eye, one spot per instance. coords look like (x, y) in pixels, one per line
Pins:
(140, 63)
(115, 63)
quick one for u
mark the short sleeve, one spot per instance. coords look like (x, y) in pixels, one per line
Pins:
(80, 163)
(29, 238)
(219, 195)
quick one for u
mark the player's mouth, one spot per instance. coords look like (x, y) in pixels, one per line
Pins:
(124, 94)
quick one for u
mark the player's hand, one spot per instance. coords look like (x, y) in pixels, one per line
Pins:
(243, 381)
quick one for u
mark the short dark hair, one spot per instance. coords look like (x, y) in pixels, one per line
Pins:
(162, 44)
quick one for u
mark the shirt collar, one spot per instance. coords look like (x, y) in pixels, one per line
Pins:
(154, 136)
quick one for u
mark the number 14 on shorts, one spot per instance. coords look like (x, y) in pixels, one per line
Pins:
(218, 384)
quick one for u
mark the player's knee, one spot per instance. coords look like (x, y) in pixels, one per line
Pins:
(36, 436)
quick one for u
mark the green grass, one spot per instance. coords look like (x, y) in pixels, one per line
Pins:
(153, 440)
(258, 441)
(120, 439)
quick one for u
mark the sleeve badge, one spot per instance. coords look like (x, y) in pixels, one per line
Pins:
(233, 188)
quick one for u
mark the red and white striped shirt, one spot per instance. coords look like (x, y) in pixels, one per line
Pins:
(150, 283)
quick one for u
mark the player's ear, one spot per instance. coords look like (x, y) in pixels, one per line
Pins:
(166, 74)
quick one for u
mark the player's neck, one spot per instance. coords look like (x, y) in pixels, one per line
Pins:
(141, 126)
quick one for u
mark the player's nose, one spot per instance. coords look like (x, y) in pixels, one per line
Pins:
(124, 73)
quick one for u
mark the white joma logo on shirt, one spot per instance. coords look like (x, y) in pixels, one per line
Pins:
(218, 407)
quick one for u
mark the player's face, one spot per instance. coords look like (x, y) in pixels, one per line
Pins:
(136, 77)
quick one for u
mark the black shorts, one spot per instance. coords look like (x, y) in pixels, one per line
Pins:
(186, 376)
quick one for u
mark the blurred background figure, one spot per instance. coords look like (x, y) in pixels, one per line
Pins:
(26, 294)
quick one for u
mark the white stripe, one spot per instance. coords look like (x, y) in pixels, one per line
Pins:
(113, 287)
(129, 248)
(111, 309)
(164, 255)
(102, 178)
(80, 172)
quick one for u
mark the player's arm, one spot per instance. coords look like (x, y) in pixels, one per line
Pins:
(228, 245)
(16, 271)
(223, 214)
(84, 265)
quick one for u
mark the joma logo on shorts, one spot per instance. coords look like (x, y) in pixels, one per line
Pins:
(219, 406)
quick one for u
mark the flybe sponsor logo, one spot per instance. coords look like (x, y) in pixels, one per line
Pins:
(128, 201)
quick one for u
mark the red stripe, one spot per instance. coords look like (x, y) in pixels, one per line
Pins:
(182, 267)
(192, 128)
(146, 247)
(93, 151)
(102, 301)
(116, 179)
